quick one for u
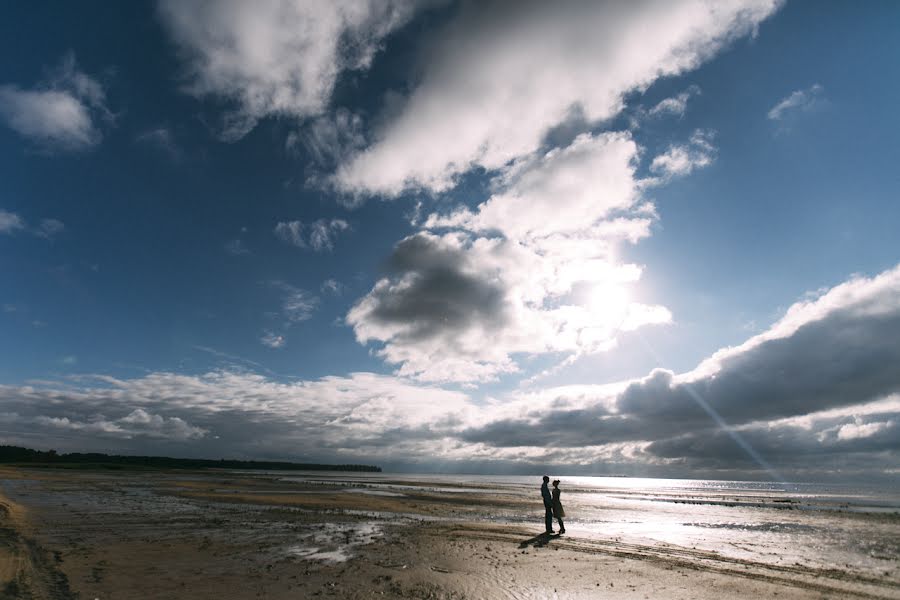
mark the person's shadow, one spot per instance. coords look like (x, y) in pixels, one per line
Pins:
(539, 541)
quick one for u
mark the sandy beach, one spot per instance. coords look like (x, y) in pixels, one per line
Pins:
(216, 534)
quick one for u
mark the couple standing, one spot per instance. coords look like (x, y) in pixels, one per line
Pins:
(552, 506)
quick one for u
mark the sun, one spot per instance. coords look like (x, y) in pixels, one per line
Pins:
(609, 302)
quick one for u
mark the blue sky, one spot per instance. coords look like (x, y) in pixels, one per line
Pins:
(454, 236)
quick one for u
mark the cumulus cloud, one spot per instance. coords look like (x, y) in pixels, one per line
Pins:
(10, 222)
(446, 294)
(565, 190)
(323, 232)
(800, 100)
(332, 287)
(279, 57)
(676, 105)
(501, 76)
(273, 340)
(682, 159)
(291, 232)
(62, 113)
(136, 424)
(318, 235)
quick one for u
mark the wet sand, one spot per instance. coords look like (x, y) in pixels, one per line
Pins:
(215, 534)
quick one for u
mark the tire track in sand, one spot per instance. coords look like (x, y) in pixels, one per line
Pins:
(29, 572)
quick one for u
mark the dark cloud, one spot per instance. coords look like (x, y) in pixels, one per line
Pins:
(846, 358)
(433, 293)
(788, 444)
(440, 296)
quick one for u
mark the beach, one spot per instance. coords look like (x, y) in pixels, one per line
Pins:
(75, 533)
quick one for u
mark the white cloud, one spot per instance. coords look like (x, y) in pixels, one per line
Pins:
(297, 304)
(566, 190)
(318, 235)
(273, 340)
(54, 117)
(61, 113)
(10, 222)
(291, 232)
(682, 159)
(136, 424)
(47, 229)
(801, 100)
(858, 430)
(323, 232)
(887, 405)
(279, 57)
(676, 105)
(329, 139)
(502, 75)
(332, 287)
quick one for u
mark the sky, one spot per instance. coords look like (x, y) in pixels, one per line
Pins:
(645, 238)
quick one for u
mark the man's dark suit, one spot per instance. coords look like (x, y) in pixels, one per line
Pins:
(548, 507)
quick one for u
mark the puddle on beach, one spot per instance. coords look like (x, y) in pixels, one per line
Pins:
(335, 542)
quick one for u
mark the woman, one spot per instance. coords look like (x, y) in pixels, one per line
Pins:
(558, 511)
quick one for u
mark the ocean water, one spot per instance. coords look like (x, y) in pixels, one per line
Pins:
(818, 526)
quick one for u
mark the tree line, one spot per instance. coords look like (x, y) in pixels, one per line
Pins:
(18, 455)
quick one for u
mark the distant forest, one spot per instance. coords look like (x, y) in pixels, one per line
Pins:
(17, 455)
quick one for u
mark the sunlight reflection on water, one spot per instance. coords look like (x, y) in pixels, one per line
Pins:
(336, 542)
(777, 523)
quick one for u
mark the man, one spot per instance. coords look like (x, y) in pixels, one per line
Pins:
(548, 505)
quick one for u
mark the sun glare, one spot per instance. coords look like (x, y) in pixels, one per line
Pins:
(609, 302)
